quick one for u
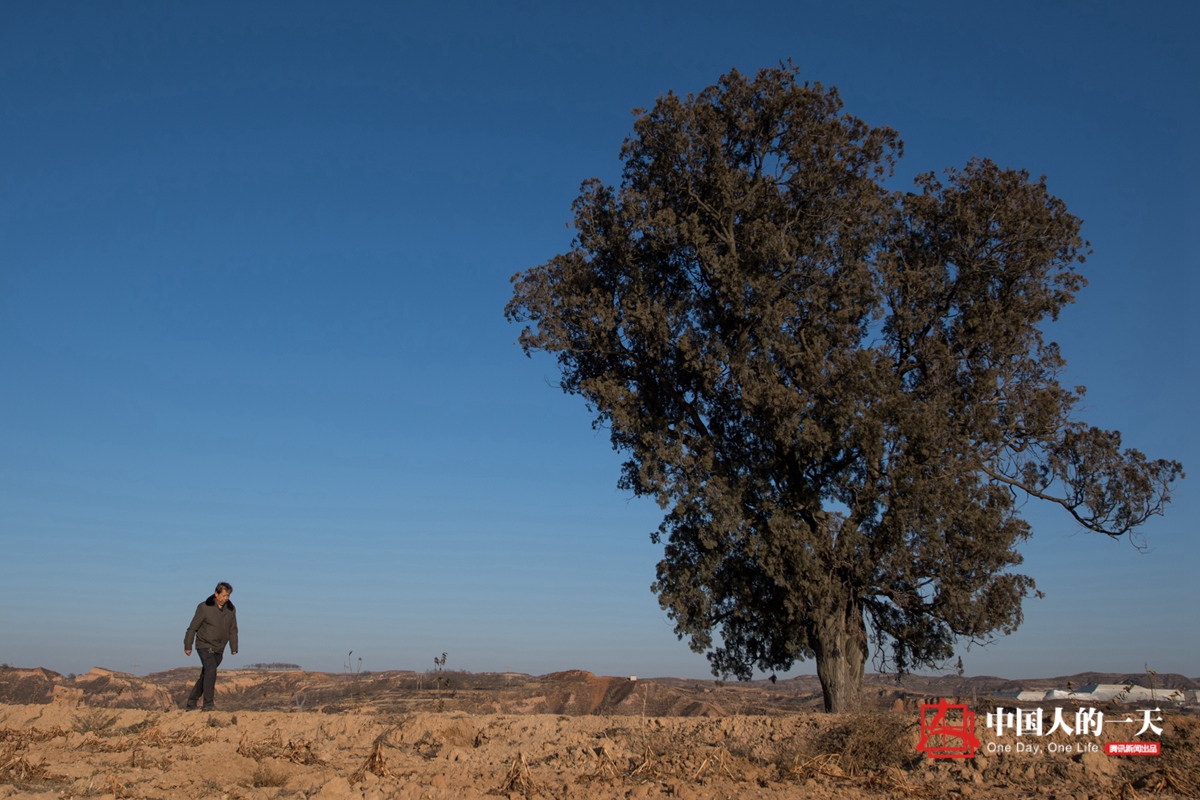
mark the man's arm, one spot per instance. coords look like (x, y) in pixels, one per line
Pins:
(190, 634)
(233, 643)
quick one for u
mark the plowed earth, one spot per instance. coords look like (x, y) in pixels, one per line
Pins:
(68, 748)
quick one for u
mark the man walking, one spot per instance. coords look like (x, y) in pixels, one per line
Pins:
(213, 626)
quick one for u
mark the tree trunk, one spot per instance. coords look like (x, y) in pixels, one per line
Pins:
(841, 648)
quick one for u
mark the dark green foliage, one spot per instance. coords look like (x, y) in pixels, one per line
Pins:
(839, 394)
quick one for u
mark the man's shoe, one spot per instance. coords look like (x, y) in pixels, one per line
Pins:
(189, 707)
(208, 708)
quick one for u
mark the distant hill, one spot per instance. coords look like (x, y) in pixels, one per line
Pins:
(574, 693)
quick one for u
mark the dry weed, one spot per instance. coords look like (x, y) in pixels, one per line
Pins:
(888, 778)
(139, 727)
(894, 779)
(302, 753)
(427, 747)
(870, 742)
(258, 750)
(1167, 780)
(1126, 792)
(266, 776)
(375, 762)
(518, 779)
(824, 764)
(94, 721)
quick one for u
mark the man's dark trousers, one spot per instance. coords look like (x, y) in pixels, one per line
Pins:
(207, 682)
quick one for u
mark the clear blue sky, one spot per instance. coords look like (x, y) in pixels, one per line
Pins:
(253, 263)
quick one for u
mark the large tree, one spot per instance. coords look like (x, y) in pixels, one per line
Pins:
(839, 394)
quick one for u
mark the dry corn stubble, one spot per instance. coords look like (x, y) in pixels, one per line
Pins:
(375, 762)
(151, 737)
(648, 766)
(714, 764)
(139, 758)
(31, 735)
(605, 768)
(273, 747)
(15, 766)
(518, 779)
(699, 759)
(116, 788)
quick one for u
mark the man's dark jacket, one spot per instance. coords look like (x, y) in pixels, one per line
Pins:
(213, 627)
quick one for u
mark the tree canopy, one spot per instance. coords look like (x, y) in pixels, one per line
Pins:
(840, 394)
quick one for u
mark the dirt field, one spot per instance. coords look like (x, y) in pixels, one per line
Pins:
(53, 751)
(612, 746)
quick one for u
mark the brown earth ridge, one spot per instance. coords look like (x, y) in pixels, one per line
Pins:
(400, 735)
(574, 692)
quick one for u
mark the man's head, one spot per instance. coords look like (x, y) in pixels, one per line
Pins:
(222, 592)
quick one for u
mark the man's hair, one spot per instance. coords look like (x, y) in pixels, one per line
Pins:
(223, 587)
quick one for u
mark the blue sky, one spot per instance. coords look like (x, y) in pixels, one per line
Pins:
(253, 264)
